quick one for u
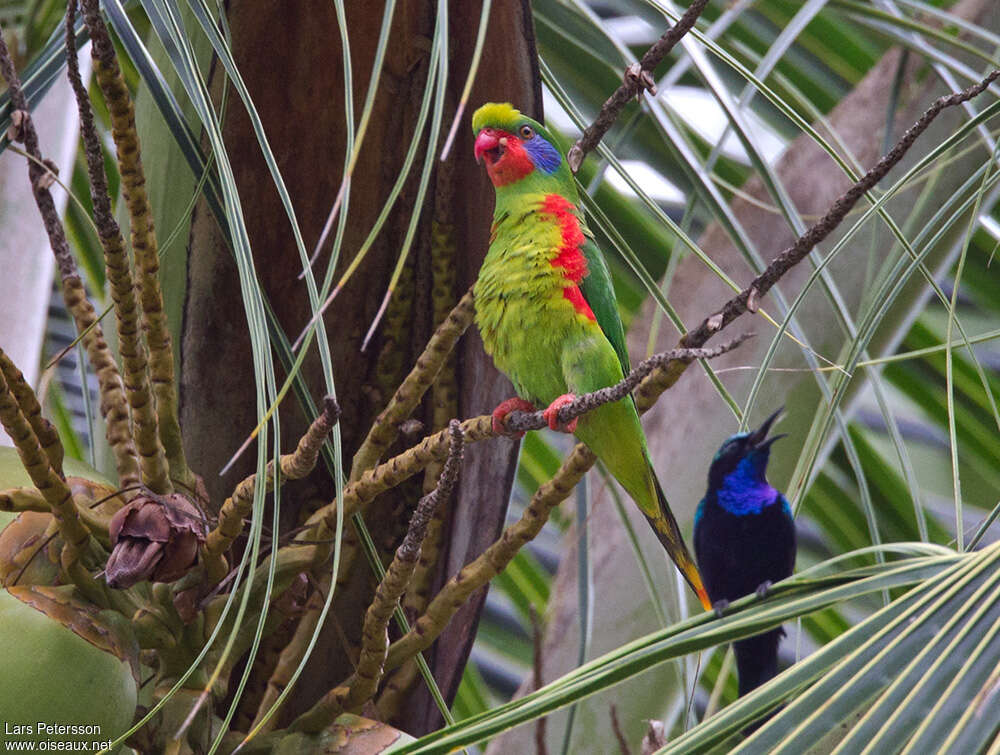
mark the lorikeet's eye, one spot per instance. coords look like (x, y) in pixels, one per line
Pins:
(527, 132)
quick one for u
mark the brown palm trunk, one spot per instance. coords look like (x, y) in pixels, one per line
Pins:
(290, 57)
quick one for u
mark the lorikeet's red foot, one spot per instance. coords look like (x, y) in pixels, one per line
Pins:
(506, 407)
(552, 414)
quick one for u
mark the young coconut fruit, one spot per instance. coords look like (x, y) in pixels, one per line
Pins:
(65, 663)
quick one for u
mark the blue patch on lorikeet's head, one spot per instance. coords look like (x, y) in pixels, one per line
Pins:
(542, 153)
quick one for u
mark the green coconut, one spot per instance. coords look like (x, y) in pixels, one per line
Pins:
(66, 669)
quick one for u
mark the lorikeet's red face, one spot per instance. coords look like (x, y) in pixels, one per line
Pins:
(514, 147)
(505, 155)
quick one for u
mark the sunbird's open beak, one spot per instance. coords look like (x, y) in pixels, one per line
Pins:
(758, 438)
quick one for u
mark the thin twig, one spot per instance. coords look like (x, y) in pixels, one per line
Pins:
(616, 727)
(795, 253)
(638, 78)
(434, 448)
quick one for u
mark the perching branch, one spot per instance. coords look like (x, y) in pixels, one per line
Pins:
(434, 448)
(638, 78)
(114, 408)
(496, 557)
(313, 546)
(361, 686)
(521, 421)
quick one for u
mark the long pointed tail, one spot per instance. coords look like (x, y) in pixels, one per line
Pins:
(669, 533)
(757, 663)
(757, 659)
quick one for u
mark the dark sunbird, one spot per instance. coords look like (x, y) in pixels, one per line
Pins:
(744, 537)
(547, 312)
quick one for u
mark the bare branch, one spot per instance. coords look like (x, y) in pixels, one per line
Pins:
(638, 78)
(520, 421)
(790, 257)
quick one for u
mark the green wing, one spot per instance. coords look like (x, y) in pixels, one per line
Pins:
(600, 295)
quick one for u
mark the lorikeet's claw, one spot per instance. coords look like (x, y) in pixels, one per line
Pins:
(506, 407)
(763, 589)
(552, 414)
(720, 607)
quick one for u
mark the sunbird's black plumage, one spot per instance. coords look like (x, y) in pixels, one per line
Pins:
(744, 540)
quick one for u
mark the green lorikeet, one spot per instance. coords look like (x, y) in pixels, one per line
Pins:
(547, 312)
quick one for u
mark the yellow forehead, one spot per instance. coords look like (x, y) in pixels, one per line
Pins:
(501, 114)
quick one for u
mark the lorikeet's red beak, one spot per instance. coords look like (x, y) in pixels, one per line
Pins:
(488, 143)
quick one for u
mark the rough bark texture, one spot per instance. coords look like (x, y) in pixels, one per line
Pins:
(289, 55)
(687, 425)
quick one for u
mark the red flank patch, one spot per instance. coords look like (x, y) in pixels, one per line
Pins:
(570, 257)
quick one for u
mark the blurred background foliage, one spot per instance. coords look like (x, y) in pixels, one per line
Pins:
(891, 400)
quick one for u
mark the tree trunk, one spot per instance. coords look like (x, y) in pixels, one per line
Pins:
(289, 55)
